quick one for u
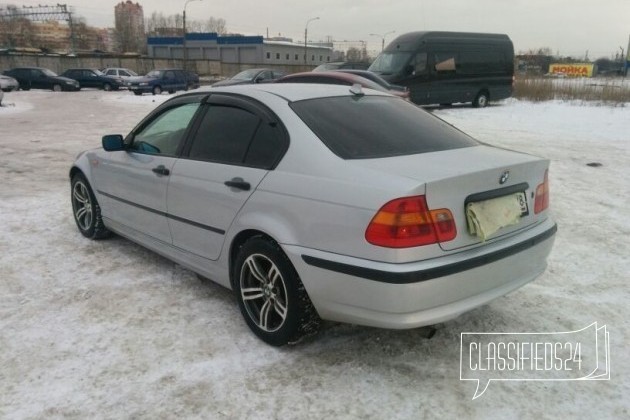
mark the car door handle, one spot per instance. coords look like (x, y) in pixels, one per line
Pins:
(238, 183)
(161, 170)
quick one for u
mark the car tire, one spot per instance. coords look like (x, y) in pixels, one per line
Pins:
(137, 93)
(170, 92)
(481, 100)
(86, 210)
(157, 90)
(107, 87)
(57, 87)
(270, 294)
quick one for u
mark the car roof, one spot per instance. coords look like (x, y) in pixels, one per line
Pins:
(348, 77)
(291, 92)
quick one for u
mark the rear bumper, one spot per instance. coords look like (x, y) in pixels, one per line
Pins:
(399, 296)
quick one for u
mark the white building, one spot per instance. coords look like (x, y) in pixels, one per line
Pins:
(237, 49)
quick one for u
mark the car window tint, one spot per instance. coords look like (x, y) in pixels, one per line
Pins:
(376, 126)
(123, 73)
(266, 147)
(224, 135)
(111, 73)
(164, 134)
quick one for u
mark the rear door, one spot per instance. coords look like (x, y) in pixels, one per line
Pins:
(235, 144)
(132, 183)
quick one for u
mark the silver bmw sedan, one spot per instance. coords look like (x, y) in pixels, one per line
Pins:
(320, 202)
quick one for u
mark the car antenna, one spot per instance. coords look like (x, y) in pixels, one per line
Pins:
(356, 90)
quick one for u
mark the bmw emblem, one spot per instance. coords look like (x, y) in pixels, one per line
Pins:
(504, 177)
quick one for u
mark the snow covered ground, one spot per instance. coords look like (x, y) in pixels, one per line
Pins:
(108, 329)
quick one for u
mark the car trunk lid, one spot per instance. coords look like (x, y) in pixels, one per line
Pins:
(454, 178)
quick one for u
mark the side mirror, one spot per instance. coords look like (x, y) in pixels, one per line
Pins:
(408, 69)
(113, 143)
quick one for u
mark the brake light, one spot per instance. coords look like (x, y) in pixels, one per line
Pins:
(408, 222)
(542, 195)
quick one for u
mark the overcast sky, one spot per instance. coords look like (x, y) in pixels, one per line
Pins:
(569, 26)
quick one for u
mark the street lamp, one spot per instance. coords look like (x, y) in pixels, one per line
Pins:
(306, 34)
(383, 38)
(184, 24)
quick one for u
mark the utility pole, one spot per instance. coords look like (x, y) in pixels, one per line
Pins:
(383, 38)
(306, 36)
(184, 30)
(72, 37)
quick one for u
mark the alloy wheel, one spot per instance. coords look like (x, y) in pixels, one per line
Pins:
(82, 205)
(263, 292)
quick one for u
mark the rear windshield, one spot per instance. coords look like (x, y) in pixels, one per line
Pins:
(369, 127)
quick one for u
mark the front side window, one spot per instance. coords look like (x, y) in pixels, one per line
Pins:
(390, 62)
(163, 135)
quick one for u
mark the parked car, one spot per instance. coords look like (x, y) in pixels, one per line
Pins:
(449, 67)
(375, 78)
(119, 73)
(92, 78)
(157, 81)
(252, 76)
(7, 84)
(339, 78)
(192, 79)
(386, 225)
(336, 65)
(41, 78)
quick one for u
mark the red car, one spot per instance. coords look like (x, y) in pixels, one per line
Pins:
(339, 78)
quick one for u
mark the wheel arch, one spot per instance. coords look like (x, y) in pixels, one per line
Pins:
(237, 242)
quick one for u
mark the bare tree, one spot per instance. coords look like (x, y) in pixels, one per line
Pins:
(172, 25)
(15, 30)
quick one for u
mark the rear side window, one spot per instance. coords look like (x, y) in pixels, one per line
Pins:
(482, 61)
(224, 135)
(235, 136)
(375, 127)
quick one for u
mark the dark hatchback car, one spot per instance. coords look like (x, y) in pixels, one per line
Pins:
(42, 78)
(92, 78)
(251, 76)
(340, 78)
(158, 81)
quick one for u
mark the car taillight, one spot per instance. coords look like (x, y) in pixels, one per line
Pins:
(542, 195)
(408, 222)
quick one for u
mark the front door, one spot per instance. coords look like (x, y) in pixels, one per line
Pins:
(132, 184)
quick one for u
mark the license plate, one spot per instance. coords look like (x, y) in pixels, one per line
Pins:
(486, 217)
